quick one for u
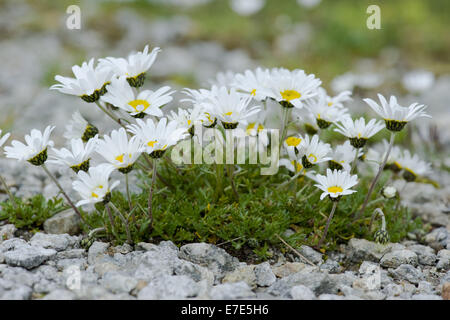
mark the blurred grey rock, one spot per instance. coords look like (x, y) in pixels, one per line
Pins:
(407, 272)
(242, 273)
(330, 266)
(359, 250)
(28, 256)
(60, 294)
(7, 232)
(311, 254)
(169, 287)
(97, 250)
(425, 254)
(301, 292)
(398, 257)
(59, 242)
(63, 222)
(228, 291)
(264, 275)
(444, 260)
(118, 282)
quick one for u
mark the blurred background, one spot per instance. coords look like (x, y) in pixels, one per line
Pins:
(409, 56)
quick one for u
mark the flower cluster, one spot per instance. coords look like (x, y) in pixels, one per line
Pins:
(245, 105)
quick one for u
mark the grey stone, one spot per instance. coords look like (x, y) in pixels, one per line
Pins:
(156, 262)
(444, 260)
(7, 232)
(118, 283)
(28, 256)
(359, 250)
(407, 272)
(425, 254)
(328, 296)
(67, 221)
(169, 287)
(71, 254)
(396, 258)
(96, 251)
(264, 275)
(330, 266)
(80, 263)
(422, 296)
(392, 290)
(194, 271)
(242, 273)
(437, 235)
(59, 242)
(425, 287)
(215, 259)
(12, 244)
(288, 268)
(311, 254)
(301, 292)
(228, 291)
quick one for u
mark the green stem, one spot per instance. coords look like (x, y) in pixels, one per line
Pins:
(374, 182)
(335, 203)
(230, 168)
(130, 205)
(109, 114)
(65, 194)
(150, 196)
(124, 221)
(355, 160)
(219, 181)
(8, 191)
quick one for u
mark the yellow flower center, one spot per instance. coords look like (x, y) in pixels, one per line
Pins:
(189, 122)
(293, 141)
(152, 143)
(289, 95)
(120, 158)
(330, 104)
(312, 157)
(139, 105)
(94, 195)
(335, 189)
(228, 113)
(253, 92)
(297, 166)
(208, 116)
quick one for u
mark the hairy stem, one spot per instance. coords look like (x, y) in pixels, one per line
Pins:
(150, 196)
(335, 203)
(230, 168)
(374, 182)
(8, 191)
(124, 221)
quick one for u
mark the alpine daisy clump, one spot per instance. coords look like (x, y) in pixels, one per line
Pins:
(78, 158)
(146, 102)
(253, 83)
(343, 155)
(89, 82)
(324, 114)
(314, 151)
(134, 68)
(93, 186)
(80, 128)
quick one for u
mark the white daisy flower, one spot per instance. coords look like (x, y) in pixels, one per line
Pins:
(413, 166)
(35, 150)
(94, 186)
(189, 118)
(78, 158)
(119, 151)
(223, 79)
(343, 155)
(396, 116)
(293, 145)
(146, 102)
(338, 101)
(324, 114)
(134, 68)
(292, 88)
(357, 130)
(247, 7)
(89, 82)
(314, 151)
(79, 128)
(230, 107)
(4, 138)
(252, 83)
(418, 81)
(336, 184)
(156, 138)
(294, 166)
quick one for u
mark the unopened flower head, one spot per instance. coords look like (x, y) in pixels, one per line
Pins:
(93, 186)
(119, 151)
(134, 68)
(35, 149)
(389, 192)
(78, 157)
(79, 128)
(292, 88)
(396, 116)
(413, 166)
(336, 184)
(146, 102)
(357, 130)
(314, 151)
(89, 82)
(230, 107)
(157, 137)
